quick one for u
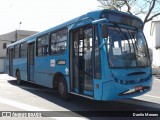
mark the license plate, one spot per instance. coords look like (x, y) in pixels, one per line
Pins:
(138, 88)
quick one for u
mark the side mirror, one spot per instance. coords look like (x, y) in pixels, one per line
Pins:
(104, 28)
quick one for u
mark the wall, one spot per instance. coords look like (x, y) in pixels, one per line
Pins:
(155, 42)
(2, 62)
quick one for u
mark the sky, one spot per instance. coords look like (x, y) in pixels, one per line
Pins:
(39, 15)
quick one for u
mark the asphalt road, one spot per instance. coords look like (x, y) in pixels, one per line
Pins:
(30, 97)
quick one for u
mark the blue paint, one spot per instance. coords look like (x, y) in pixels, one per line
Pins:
(89, 93)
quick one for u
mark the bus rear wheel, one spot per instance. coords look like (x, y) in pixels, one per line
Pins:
(63, 89)
(18, 78)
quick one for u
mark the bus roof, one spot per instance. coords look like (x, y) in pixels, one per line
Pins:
(90, 15)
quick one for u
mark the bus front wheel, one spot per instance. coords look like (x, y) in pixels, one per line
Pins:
(18, 77)
(63, 89)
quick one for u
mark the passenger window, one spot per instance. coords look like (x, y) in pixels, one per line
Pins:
(23, 50)
(42, 45)
(16, 51)
(59, 42)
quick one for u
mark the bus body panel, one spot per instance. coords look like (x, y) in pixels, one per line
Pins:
(111, 90)
(98, 89)
(123, 80)
(20, 65)
(50, 68)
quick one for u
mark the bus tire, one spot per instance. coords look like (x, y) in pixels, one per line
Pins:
(63, 88)
(18, 78)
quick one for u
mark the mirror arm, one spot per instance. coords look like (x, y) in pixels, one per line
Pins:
(100, 46)
(104, 28)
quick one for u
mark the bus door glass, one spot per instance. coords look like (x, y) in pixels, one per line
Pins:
(11, 62)
(31, 61)
(82, 59)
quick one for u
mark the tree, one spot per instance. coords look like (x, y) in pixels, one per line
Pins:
(148, 8)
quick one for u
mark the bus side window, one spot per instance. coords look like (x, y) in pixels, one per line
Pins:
(42, 45)
(16, 51)
(97, 59)
(59, 41)
(23, 50)
(45, 50)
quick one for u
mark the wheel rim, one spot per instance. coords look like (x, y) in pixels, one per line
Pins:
(18, 78)
(61, 88)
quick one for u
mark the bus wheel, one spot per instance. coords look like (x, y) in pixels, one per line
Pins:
(63, 89)
(18, 77)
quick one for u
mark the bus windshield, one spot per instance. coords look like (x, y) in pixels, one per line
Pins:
(127, 48)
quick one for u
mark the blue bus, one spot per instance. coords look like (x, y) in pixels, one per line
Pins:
(102, 55)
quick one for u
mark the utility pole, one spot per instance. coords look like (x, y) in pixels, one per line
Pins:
(17, 32)
(16, 35)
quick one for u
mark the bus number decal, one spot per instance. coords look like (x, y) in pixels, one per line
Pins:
(52, 63)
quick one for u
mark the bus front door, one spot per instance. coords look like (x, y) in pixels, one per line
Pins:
(81, 61)
(30, 62)
(11, 62)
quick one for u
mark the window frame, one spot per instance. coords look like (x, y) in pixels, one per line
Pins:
(43, 46)
(24, 50)
(57, 42)
(16, 51)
